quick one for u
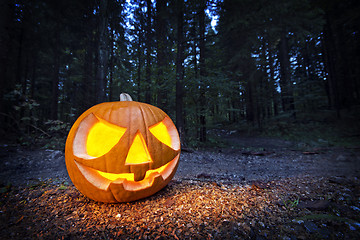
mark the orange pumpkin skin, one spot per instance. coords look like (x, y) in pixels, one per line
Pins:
(94, 176)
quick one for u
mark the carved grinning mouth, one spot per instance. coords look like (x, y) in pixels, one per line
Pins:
(102, 180)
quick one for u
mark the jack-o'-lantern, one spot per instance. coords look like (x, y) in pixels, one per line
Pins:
(122, 151)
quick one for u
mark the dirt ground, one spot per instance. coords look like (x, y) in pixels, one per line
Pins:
(249, 159)
(259, 188)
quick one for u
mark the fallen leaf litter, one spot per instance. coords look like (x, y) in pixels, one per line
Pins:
(300, 207)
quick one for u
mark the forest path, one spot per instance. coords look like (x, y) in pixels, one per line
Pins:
(254, 158)
(249, 159)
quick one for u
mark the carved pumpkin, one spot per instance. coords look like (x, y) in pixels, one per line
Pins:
(122, 151)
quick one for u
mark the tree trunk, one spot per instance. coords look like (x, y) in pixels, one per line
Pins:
(5, 49)
(33, 75)
(252, 95)
(55, 77)
(202, 101)
(346, 80)
(148, 53)
(88, 96)
(329, 51)
(111, 66)
(102, 52)
(180, 70)
(161, 53)
(139, 66)
(20, 57)
(250, 109)
(274, 93)
(285, 77)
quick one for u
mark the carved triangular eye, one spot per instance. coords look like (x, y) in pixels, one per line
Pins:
(102, 137)
(166, 133)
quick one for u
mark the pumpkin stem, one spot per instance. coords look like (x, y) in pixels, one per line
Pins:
(125, 97)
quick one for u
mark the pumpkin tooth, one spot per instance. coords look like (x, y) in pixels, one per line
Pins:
(139, 171)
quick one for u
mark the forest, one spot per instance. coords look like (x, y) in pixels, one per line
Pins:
(270, 68)
(265, 96)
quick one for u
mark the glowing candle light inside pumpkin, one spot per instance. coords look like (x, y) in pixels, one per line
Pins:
(138, 152)
(105, 133)
(161, 132)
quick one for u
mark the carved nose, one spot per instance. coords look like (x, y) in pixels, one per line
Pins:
(138, 157)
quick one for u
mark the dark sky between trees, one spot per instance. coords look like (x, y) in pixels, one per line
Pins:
(263, 59)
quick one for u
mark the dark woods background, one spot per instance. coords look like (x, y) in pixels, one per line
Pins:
(284, 67)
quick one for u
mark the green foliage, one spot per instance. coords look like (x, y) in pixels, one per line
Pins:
(63, 187)
(291, 204)
(57, 131)
(5, 189)
(321, 129)
(57, 127)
